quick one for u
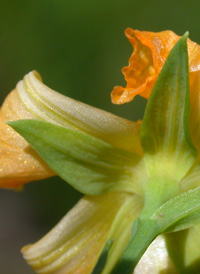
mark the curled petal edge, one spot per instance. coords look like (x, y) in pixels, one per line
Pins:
(150, 52)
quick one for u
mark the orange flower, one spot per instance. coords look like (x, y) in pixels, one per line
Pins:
(150, 52)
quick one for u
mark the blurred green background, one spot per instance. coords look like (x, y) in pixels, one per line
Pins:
(78, 47)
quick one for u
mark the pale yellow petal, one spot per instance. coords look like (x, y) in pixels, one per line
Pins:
(75, 244)
(156, 259)
(121, 230)
(184, 249)
(54, 107)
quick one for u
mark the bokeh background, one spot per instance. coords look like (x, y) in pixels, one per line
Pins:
(79, 48)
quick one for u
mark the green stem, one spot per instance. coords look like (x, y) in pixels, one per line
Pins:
(158, 191)
(144, 232)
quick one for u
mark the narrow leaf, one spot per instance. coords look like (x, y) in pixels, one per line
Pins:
(181, 212)
(165, 127)
(90, 165)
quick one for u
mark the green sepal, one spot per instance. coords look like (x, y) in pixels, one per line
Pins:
(166, 119)
(165, 128)
(90, 165)
(181, 212)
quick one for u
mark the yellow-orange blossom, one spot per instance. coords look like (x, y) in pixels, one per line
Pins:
(20, 164)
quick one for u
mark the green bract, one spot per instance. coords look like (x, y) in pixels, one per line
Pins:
(149, 182)
(90, 165)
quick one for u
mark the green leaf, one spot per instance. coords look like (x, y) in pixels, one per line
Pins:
(181, 212)
(165, 127)
(90, 165)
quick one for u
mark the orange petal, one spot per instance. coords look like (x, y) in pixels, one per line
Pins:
(19, 163)
(150, 52)
(195, 108)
